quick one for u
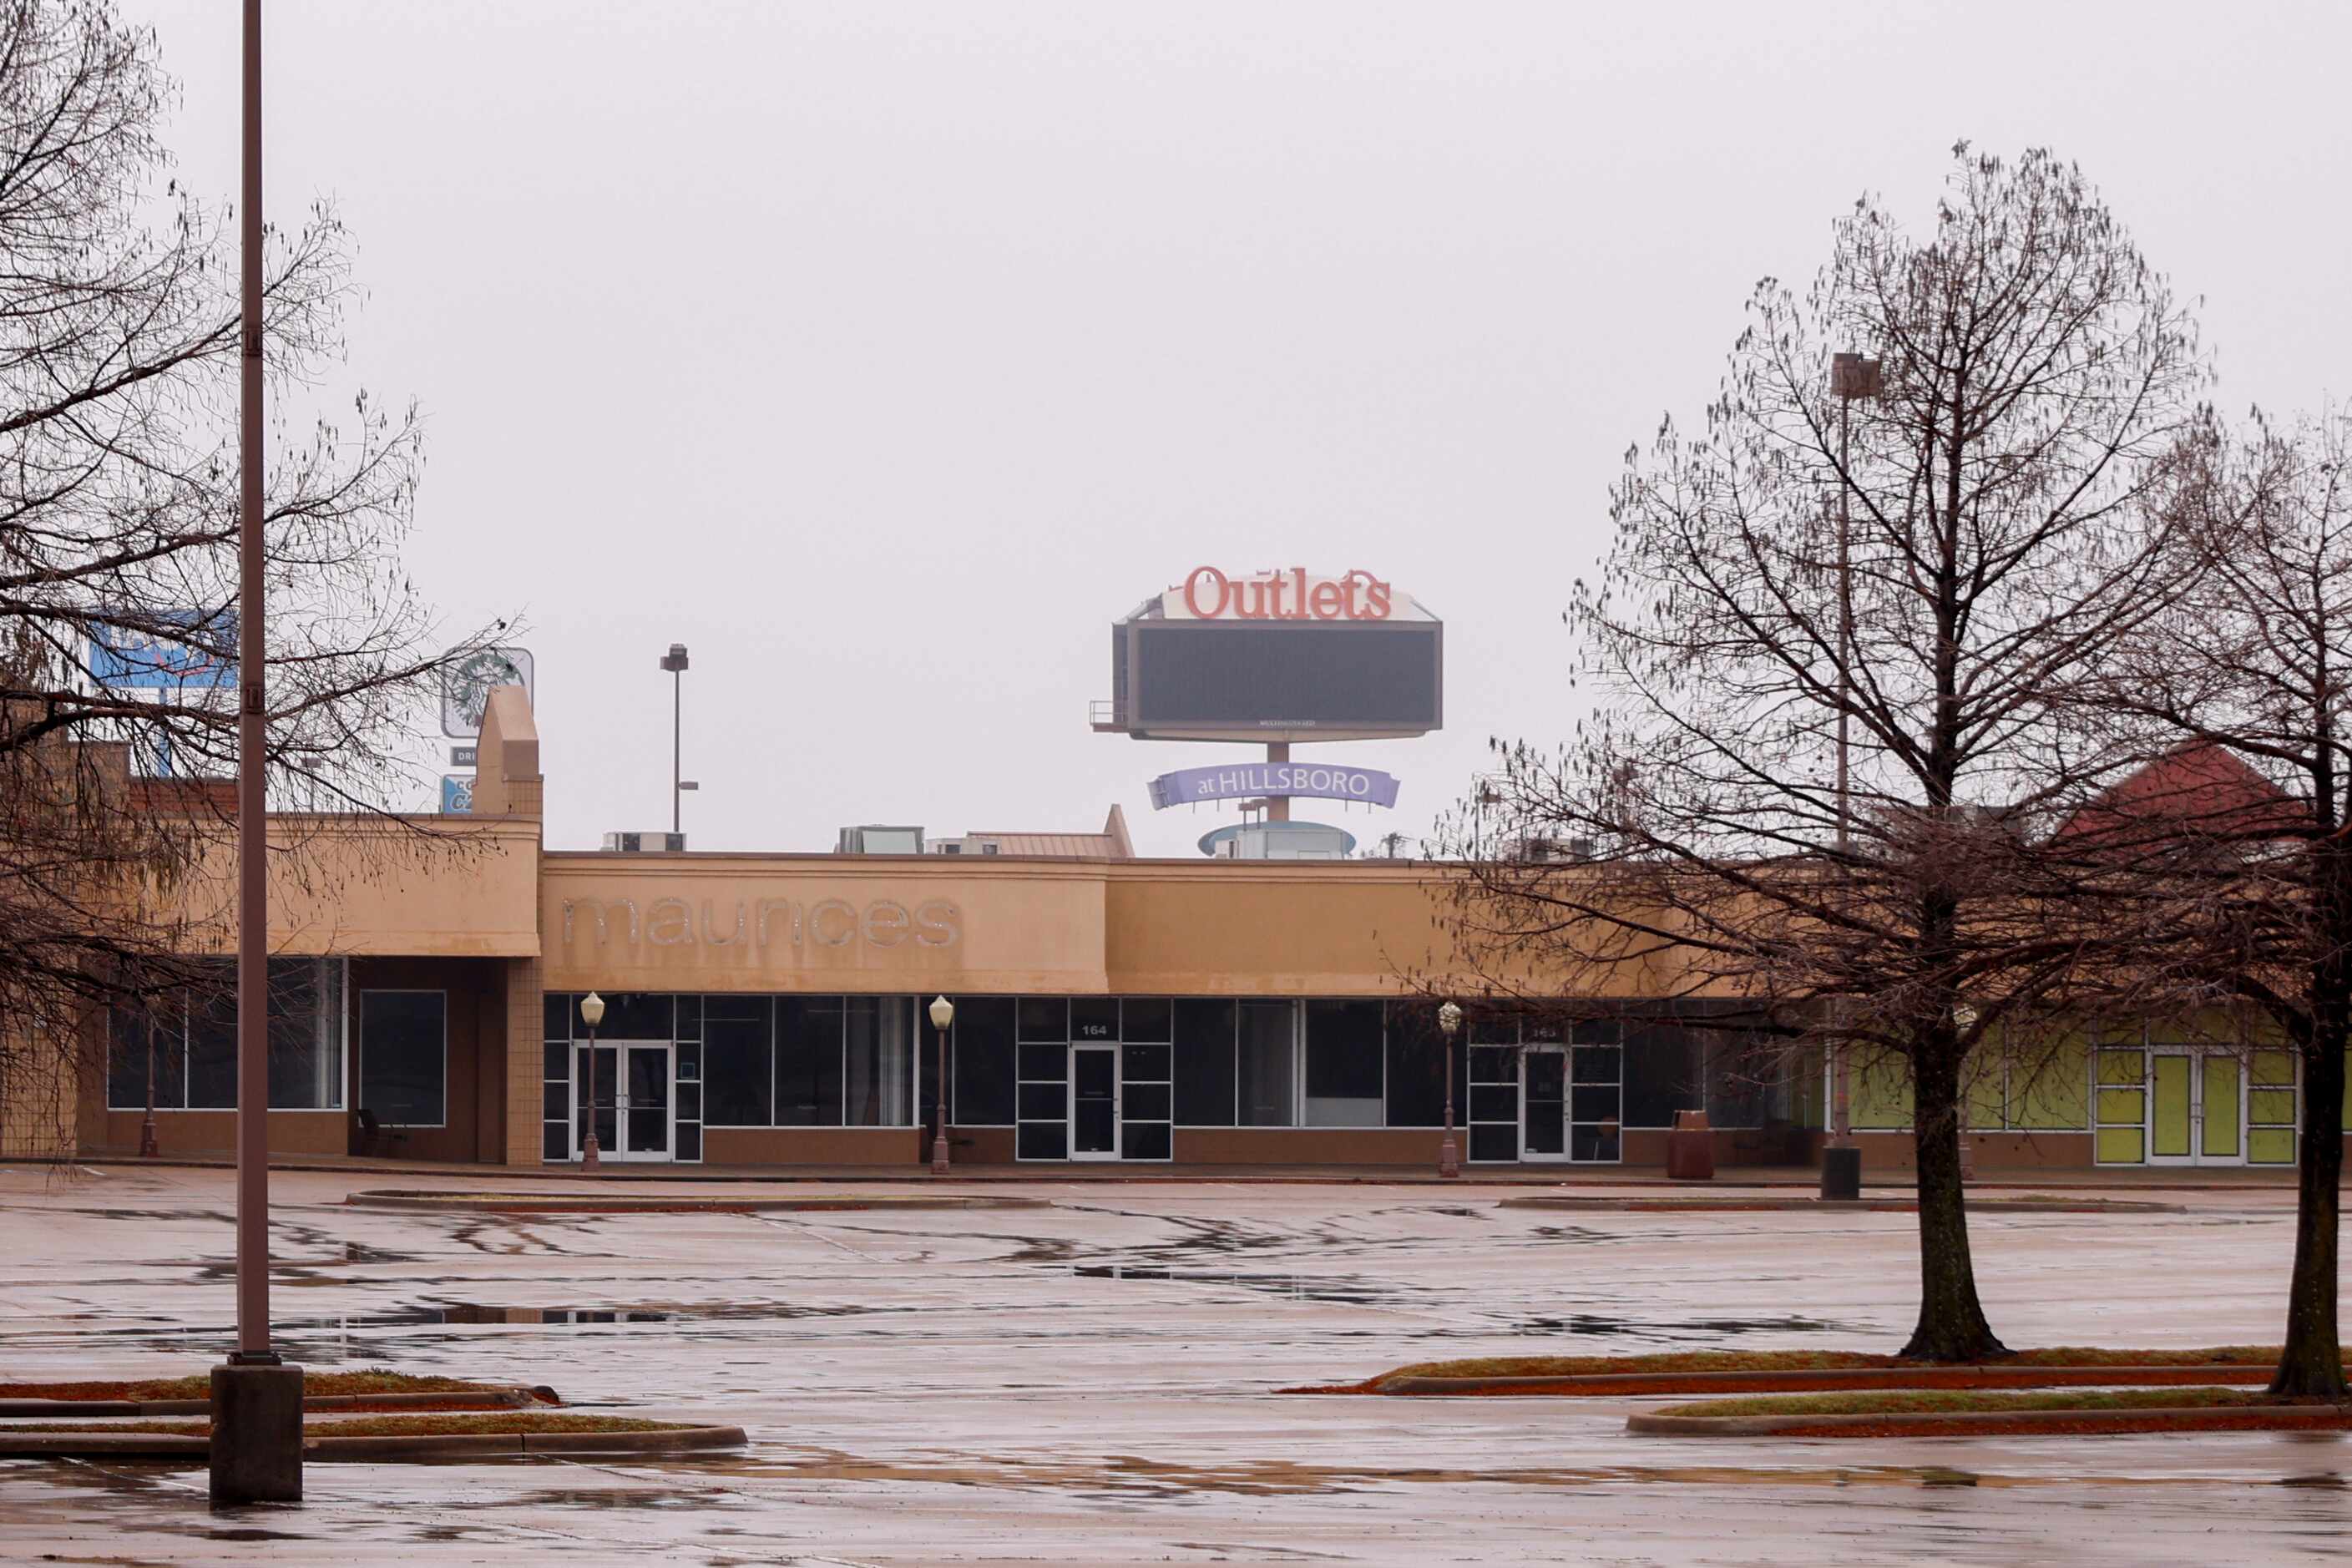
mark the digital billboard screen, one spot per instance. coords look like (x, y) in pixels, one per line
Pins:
(1254, 675)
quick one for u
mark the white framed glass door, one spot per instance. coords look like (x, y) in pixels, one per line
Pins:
(1543, 1103)
(629, 1089)
(2196, 1107)
(1094, 1102)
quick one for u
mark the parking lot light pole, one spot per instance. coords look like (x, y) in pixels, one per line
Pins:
(1449, 1020)
(257, 1399)
(942, 1017)
(592, 1013)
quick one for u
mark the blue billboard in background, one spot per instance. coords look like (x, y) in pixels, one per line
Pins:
(167, 648)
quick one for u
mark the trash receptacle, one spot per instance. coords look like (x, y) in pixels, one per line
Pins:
(1690, 1148)
(1842, 1174)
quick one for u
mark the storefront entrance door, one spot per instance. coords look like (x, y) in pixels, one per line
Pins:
(1094, 1102)
(627, 1087)
(1543, 1103)
(2196, 1113)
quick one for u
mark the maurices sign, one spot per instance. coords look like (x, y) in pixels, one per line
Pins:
(1241, 779)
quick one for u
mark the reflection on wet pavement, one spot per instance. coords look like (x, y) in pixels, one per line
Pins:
(1094, 1381)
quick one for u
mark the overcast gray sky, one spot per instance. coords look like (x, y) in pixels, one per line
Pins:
(884, 353)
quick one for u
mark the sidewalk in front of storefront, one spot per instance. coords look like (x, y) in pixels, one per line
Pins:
(2115, 1178)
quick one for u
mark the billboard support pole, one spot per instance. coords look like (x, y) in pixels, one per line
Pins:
(1277, 807)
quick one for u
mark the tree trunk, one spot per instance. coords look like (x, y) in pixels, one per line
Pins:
(1952, 1325)
(2312, 1360)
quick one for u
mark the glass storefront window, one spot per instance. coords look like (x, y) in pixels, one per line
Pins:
(739, 1086)
(1266, 1052)
(877, 1056)
(1344, 1064)
(193, 1033)
(404, 1057)
(808, 1060)
(1204, 1062)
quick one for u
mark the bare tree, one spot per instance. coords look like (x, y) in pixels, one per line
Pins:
(2241, 839)
(119, 336)
(2038, 379)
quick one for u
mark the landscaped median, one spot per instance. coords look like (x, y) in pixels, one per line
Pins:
(1934, 1413)
(379, 1437)
(371, 1389)
(368, 1415)
(1787, 1371)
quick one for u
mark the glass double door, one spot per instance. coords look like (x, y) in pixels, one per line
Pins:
(2196, 1109)
(626, 1091)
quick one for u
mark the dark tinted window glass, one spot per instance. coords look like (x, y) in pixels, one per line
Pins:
(1144, 1141)
(738, 1082)
(1091, 1018)
(1416, 1052)
(1146, 1064)
(555, 1142)
(1661, 1073)
(1044, 1141)
(212, 1046)
(561, 1008)
(1146, 1019)
(1266, 1053)
(1343, 1050)
(635, 1016)
(808, 1060)
(736, 1010)
(1043, 1064)
(690, 1141)
(402, 1057)
(689, 1018)
(1746, 1076)
(131, 1029)
(1042, 1019)
(1495, 1143)
(1204, 1063)
(984, 1065)
(1144, 1101)
(1045, 1101)
(298, 1058)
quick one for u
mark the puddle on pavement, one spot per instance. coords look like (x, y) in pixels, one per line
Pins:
(1344, 1290)
(1671, 1329)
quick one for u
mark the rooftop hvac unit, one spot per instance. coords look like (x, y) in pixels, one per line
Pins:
(879, 839)
(643, 843)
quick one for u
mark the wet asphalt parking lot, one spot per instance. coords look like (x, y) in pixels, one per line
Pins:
(1095, 1382)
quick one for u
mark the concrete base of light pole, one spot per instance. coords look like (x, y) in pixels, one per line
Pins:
(1841, 1174)
(1449, 1162)
(257, 1443)
(939, 1156)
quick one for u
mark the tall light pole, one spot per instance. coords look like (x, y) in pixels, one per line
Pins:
(592, 1013)
(1850, 377)
(942, 1018)
(1449, 1020)
(257, 1399)
(675, 662)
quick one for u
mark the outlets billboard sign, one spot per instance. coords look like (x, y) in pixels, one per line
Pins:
(1290, 595)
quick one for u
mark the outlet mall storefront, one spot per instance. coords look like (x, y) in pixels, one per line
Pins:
(771, 1009)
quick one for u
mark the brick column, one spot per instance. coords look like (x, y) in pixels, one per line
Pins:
(526, 1060)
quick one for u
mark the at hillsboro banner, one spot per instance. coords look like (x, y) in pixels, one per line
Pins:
(1368, 785)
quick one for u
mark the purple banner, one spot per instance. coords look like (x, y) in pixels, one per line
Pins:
(1323, 781)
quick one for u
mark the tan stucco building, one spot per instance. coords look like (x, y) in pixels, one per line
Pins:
(771, 1009)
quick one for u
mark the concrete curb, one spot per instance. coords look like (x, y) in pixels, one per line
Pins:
(625, 1203)
(1830, 1380)
(495, 1397)
(1801, 1180)
(1777, 1203)
(403, 1449)
(1987, 1423)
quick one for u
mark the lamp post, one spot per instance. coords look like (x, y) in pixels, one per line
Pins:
(257, 1397)
(1449, 1020)
(942, 1016)
(1850, 377)
(147, 1147)
(675, 662)
(592, 1013)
